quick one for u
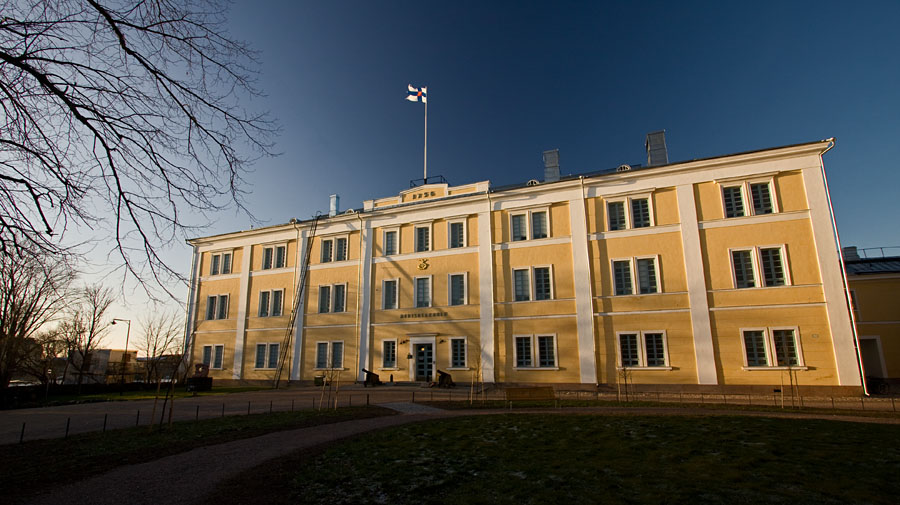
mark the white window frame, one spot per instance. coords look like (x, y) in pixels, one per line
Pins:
(530, 282)
(331, 298)
(330, 258)
(216, 310)
(212, 355)
(396, 354)
(268, 345)
(221, 255)
(334, 248)
(534, 284)
(756, 263)
(430, 226)
(629, 218)
(334, 297)
(465, 365)
(769, 343)
(396, 294)
(612, 274)
(274, 248)
(330, 357)
(271, 303)
(747, 196)
(635, 277)
(384, 232)
(529, 223)
(642, 350)
(416, 291)
(465, 289)
(535, 352)
(465, 237)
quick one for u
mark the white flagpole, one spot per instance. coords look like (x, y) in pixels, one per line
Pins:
(426, 142)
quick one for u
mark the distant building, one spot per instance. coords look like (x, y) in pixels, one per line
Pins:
(713, 274)
(874, 287)
(106, 367)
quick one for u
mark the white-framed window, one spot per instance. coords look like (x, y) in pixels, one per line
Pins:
(748, 198)
(267, 355)
(533, 283)
(391, 240)
(638, 275)
(422, 237)
(274, 256)
(271, 303)
(530, 224)
(214, 356)
(422, 291)
(332, 298)
(330, 354)
(457, 289)
(335, 249)
(629, 212)
(642, 349)
(389, 353)
(535, 351)
(389, 291)
(458, 352)
(327, 250)
(220, 263)
(771, 347)
(217, 307)
(456, 233)
(761, 266)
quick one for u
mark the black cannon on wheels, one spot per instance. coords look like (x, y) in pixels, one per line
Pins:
(371, 379)
(445, 380)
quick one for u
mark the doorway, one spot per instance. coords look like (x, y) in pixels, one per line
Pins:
(424, 356)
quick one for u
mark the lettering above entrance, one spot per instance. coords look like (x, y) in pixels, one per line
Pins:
(423, 314)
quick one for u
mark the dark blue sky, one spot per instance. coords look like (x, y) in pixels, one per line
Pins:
(508, 80)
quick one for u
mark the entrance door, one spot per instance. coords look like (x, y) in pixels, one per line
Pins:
(424, 359)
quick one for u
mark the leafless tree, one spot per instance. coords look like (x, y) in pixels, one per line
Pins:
(161, 339)
(85, 326)
(31, 294)
(48, 346)
(123, 116)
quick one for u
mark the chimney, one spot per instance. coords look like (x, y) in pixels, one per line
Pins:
(850, 253)
(335, 203)
(656, 149)
(551, 165)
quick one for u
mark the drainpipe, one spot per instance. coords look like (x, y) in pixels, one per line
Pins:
(837, 237)
(359, 266)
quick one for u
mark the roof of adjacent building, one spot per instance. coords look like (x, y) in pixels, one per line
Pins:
(868, 266)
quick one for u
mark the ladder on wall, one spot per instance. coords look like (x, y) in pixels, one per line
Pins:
(298, 297)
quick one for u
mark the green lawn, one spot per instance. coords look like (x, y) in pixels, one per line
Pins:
(573, 459)
(41, 463)
(114, 396)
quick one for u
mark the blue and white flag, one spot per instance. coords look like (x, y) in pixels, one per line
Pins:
(417, 94)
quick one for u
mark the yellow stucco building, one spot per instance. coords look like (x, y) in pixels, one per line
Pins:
(714, 274)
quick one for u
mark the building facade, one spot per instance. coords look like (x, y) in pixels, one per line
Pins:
(714, 274)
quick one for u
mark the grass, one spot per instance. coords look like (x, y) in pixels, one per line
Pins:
(149, 394)
(35, 465)
(545, 458)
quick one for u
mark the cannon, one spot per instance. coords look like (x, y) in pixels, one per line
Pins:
(445, 380)
(371, 379)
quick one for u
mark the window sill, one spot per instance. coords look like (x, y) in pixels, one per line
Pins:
(388, 369)
(649, 368)
(549, 368)
(640, 294)
(458, 368)
(774, 368)
(331, 369)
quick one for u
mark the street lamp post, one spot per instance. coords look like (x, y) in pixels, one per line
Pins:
(124, 354)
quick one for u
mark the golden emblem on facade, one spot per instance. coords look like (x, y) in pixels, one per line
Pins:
(423, 265)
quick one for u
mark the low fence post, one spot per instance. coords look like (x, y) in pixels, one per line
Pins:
(68, 421)
(137, 420)
(270, 406)
(292, 405)
(22, 435)
(248, 408)
(105, 417)
(223, 409)
(367, 399)
(832, 403)
(197, 414)
(862, 400)
(893, 407)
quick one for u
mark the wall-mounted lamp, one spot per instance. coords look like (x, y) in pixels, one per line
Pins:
(409, 356)
(441, 341)
(403, 342)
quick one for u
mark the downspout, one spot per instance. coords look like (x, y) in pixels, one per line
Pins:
(837, 236)
(359, 265)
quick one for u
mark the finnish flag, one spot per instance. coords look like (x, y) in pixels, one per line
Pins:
(417, 95)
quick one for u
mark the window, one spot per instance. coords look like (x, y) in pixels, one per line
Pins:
(768, 347)
(457, 289)
(332, 298)
(213, 356)
(745, 264)
(522, 288)
(457, 232)
(542, 289)
(327, 250)
(390, 242)
(630, 212)
(643, 349)
(519, 225)
(270, 303)
(543, 354)
(389, 354)
(734, 199)
(267, 355)
(646, 269)
(329, 354)
(457, 353)
(274, 257)
(622, 277)
(217, 307)
(220, 264)
(423, 292)
(423, 242)
(340, 249)
(389, 291)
